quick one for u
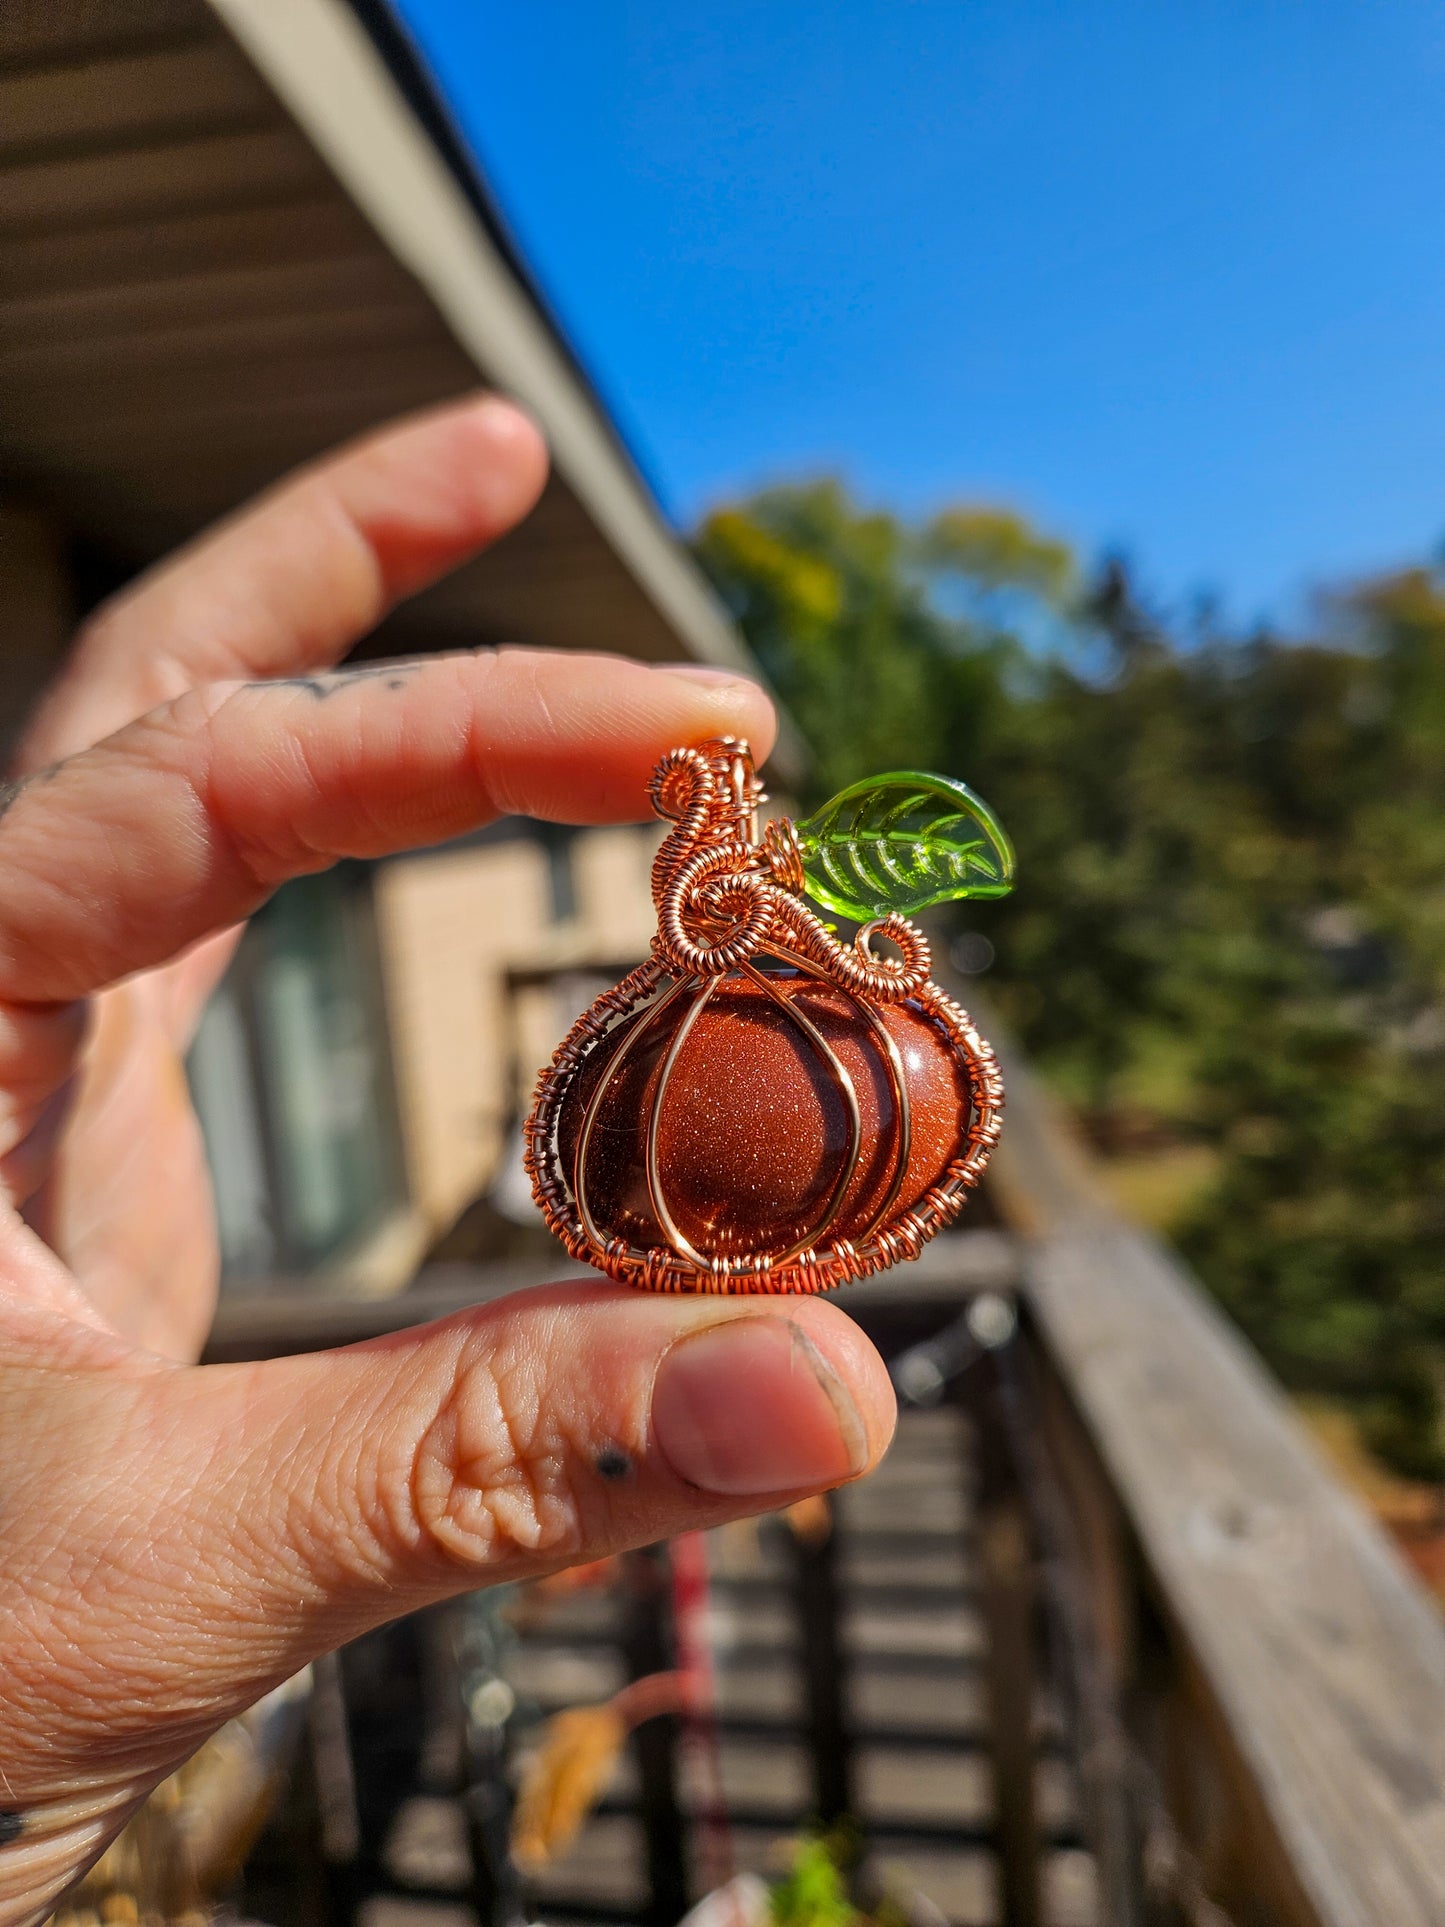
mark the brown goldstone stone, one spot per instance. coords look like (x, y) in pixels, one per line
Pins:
(753, 1128)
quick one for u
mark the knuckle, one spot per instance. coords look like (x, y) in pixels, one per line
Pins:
(254, 823)
(492, 1481)
(179, 733)
(190, 740)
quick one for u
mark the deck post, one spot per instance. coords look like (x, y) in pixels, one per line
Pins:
(1008, 1595)
(647, 1646)
(824, 1661)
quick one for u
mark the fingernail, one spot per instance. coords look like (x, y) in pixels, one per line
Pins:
(752, 1406)
(701, 672)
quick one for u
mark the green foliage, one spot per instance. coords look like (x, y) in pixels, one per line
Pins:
(814, 1892)
(903, 842)
(997, 549)
(836, 605)
(1229, 926)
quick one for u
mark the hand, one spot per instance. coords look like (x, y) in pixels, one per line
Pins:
(177, 1539)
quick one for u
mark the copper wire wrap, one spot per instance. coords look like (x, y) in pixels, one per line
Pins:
(725, 897)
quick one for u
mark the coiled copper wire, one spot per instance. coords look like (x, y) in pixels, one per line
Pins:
(725, 900)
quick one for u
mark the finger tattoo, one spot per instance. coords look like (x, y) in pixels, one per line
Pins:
(11, 792)
(394, 674)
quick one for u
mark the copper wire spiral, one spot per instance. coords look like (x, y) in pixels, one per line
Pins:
(725, 899)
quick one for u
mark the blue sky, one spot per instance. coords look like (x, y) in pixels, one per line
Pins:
(1169, 277)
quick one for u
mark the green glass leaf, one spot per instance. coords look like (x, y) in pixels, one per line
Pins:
(902, 842)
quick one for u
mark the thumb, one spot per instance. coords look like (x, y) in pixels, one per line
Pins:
(557, 1426)
(246, 1518)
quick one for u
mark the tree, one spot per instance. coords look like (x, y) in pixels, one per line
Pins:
(1230, 919)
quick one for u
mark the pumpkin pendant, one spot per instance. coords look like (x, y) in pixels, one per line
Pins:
(759, 1107)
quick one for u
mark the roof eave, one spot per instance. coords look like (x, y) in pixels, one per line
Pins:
(324, 64)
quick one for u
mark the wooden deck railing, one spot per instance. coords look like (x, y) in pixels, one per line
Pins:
(1276, 1674)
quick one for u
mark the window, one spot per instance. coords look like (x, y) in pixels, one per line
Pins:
(292, 1080)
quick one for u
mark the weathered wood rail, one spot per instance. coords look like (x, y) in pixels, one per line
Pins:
(1279, 1671)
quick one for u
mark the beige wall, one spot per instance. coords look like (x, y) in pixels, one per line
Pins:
(611, 872)
(452, 926)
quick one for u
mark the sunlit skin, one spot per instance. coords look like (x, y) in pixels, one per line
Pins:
(179, 1538)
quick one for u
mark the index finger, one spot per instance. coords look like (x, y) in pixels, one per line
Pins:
(184, 822)
(292, 581)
